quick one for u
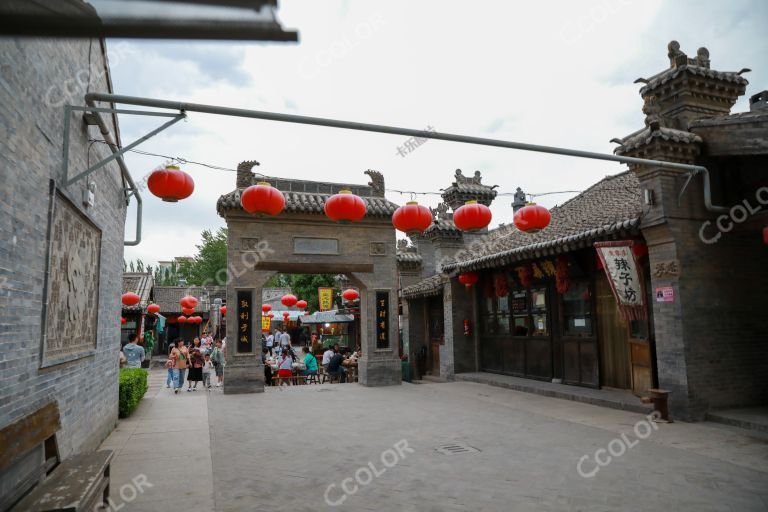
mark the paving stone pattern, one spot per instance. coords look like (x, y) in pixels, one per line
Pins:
(281, 450)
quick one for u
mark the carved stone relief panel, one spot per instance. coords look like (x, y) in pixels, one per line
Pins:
(71, 313)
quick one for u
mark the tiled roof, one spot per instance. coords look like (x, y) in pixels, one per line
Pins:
(428, 287)
(612, 207)
(671, 73)
(408, 256)
(139, 283)
(737, 118)
(309, 201)
(442, 227)
(646, 136)
(168, 297)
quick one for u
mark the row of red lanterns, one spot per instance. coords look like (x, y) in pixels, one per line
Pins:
(172, 184)
(189, 320)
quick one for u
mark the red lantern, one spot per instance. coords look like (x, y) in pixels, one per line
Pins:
(345, 207)
(472, 216)
(122, 320)
(188, 302)
(350, 294)
(188, 311)
(223, 310)
(266, 308)
(153, 308)
(262, 198)
(171, 184)
(182, 320)
(131, 299)
(289, 300)
(468, 279)
(412, 218)
(271, 315)
(532, 218)
(301, 304)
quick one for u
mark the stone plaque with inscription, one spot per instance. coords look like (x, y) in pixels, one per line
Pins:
(378, 249)
(69, 331)
(302, 245)
(249, 244)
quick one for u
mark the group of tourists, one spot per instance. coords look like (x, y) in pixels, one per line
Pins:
(203, 361)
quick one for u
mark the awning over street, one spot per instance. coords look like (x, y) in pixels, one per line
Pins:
(327, 317)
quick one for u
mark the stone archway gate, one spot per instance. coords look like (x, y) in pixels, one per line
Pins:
(302, 240)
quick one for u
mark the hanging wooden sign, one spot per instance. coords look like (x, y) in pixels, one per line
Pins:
(244, 331)
(622, 271)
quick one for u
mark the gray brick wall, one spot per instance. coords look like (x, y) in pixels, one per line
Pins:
(33, 74)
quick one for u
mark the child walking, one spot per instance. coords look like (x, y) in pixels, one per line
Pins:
(207, 371)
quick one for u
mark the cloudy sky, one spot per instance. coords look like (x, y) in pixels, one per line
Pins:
(548, 72)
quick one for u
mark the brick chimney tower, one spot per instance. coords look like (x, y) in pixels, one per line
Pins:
(689, 89)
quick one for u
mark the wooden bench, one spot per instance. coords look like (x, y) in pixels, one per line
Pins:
(79, 483)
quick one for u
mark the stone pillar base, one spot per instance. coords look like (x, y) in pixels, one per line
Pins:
(243, 374)
(379, 371)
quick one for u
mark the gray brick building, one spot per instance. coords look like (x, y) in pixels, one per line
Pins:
(60, 260)
(543, 307)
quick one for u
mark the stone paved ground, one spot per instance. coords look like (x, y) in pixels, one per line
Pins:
(281, 450)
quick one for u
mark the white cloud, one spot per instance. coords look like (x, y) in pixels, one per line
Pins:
(553, 73)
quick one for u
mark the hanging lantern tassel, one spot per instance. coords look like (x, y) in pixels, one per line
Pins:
(562, 277)
(765, 235)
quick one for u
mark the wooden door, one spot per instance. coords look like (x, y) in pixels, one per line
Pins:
(436, 335)
(613, 338)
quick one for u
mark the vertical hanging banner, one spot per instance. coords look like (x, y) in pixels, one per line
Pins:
(382, 319)
(244, 331)
(325, 298)
(266, 323)
(621, 269)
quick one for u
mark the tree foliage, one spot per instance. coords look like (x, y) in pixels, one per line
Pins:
(304, 286)
(209, 265)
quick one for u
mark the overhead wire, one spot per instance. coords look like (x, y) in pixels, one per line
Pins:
(412, 193)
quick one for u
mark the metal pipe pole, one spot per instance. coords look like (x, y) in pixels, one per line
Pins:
(393, 130)
(124, 170)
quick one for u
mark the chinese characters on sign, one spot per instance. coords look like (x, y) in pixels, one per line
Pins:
(665, 294)
(325, 298)
(382, 319)
(244, 335)
(621, 268)
(266, 322)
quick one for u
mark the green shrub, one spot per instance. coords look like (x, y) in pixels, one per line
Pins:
(133, 385)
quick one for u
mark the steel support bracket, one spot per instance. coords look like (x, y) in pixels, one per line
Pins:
(90, 114)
